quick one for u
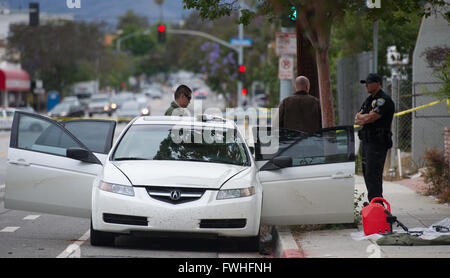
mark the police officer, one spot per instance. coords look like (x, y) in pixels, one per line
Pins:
(375, 116)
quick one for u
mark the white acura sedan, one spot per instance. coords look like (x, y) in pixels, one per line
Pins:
(179, 175)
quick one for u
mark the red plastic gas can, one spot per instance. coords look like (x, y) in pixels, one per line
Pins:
(374, 217)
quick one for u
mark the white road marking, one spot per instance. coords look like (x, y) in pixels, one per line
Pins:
(31, 217)
(73, 250)
(9, 230)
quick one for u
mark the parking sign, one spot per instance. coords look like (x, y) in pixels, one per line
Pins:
(286, 43)
(286, 68)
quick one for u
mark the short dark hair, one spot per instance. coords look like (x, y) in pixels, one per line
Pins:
(182, 89)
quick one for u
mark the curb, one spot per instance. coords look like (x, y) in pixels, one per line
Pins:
(285, 244)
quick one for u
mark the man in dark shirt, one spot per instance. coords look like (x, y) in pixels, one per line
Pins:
(375, 116)
(182, 96)
(300, 111)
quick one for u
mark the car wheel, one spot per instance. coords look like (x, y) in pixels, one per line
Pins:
(253, 243)
(99, 238)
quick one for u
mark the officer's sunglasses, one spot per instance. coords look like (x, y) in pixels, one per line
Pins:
(188, 97)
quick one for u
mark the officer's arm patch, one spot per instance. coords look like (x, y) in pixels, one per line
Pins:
(380, 101)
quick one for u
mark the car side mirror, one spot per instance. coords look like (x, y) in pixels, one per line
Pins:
(78, 154)
(277, 163)
(282, 161)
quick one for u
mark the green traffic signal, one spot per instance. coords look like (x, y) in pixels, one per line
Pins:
(293, 13)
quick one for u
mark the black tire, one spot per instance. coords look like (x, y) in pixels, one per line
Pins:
(253, 243)
(99, 238)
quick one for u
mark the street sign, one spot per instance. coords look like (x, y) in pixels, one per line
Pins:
(286, 43)
(241, 42)
(286, 68)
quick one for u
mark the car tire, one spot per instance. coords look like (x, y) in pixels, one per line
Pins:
(253, 243)
(99, 238)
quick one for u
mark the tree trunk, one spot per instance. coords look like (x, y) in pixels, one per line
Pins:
(323, 69)
(306, 61)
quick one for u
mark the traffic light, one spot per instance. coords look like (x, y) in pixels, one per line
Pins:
(34, 14)
(162, 33)
(244, 91)
(289, 17)
(293, 14)
(242, 70)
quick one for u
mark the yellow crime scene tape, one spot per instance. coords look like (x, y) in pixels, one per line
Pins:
(262, 113)
(418, 108)
(117, 119)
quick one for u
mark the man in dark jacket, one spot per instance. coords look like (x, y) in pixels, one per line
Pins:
(182, 95)
(301, 111)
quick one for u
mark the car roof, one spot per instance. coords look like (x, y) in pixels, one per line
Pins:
(201, 120)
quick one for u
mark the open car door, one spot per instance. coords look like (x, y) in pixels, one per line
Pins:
(310, 179)
(51, 170)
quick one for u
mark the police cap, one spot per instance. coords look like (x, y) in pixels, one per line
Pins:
(372, 78)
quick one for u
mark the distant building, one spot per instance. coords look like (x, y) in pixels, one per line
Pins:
(428, 124)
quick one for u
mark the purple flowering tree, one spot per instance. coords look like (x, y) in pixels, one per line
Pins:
(220, 67)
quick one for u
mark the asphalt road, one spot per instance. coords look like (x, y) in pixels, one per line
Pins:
(36, 235)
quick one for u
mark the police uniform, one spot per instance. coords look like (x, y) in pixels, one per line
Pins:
(376, 139)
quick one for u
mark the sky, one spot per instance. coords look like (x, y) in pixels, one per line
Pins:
(107, 10)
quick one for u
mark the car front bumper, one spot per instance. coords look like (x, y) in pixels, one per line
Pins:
(239, 217)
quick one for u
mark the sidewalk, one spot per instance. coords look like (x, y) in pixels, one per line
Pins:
(411, 209)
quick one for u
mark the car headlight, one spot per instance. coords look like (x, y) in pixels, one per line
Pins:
(145, 111)
(235, 193)
(113, 106)
(106, 107)
(116, 188)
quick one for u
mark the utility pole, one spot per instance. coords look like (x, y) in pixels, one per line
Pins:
(375, 46)
(286, 85)
(240, 97)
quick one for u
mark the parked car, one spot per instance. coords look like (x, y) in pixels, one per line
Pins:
(99, 104)
(153, 180)
(67, 109)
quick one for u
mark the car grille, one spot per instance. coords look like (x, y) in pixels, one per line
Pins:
(175, 195)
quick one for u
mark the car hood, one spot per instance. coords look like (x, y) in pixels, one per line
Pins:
(178, 173)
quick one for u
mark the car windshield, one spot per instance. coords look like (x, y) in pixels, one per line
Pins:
(61, 107)
(185, 143)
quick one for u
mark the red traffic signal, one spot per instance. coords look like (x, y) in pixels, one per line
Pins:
(161, 33)
(161, 28)
(242, 68)
(244, 91)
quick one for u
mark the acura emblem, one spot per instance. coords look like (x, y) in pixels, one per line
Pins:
(175, 195)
